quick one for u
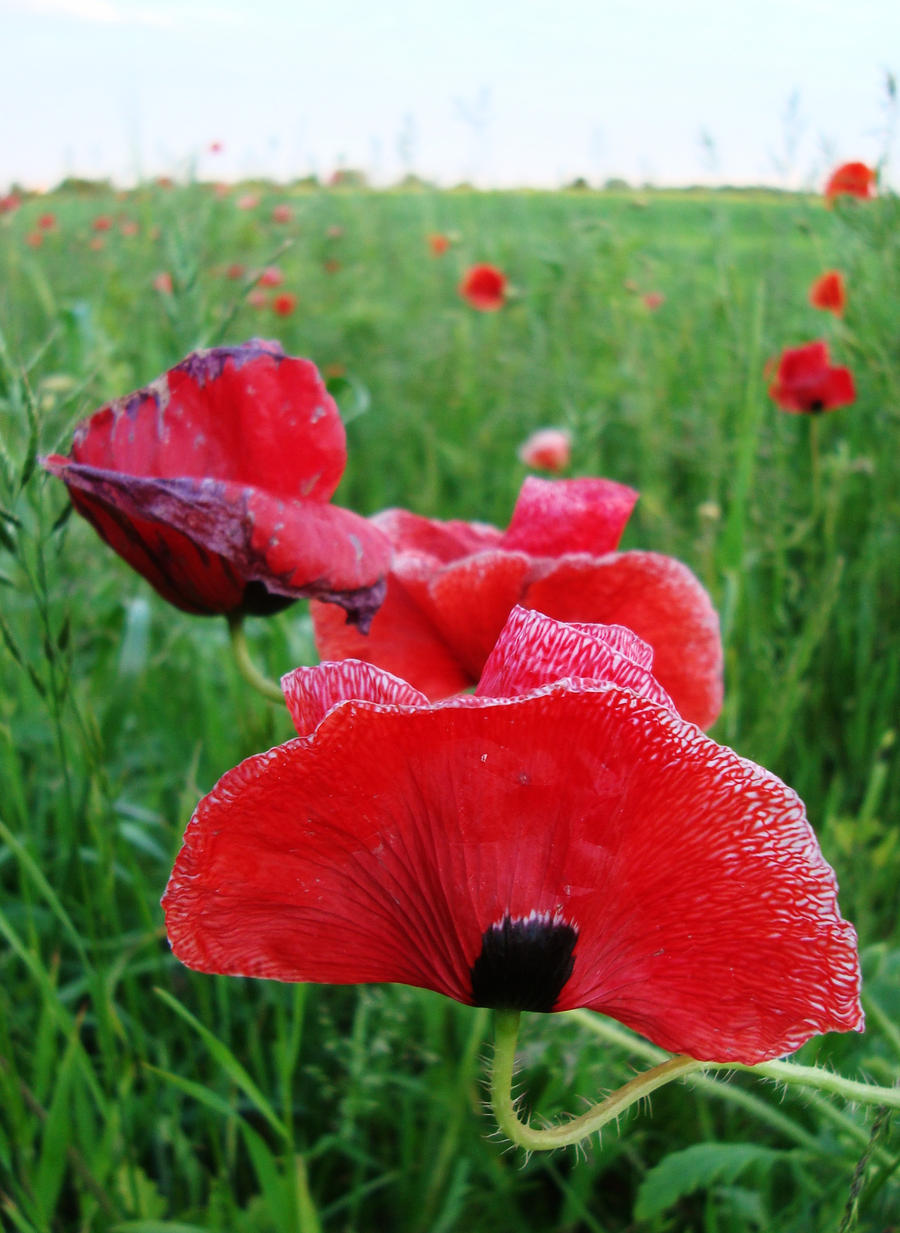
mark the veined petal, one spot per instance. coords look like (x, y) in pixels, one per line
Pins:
(567, 516)
(658, 598)
(310, 693)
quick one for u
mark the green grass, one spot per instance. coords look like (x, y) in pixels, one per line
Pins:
(137, 1096)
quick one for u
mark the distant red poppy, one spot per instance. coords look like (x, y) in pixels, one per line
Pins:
(96, 243)
(235, 271)
(34, 239)
(829, 292)
(165, 182)
(102, 222)
(257, 298)
(10, 203)
(453, 584)
(548, 449)
(284, 304)
(214, 483)
(282, 213)
(271, 276)
(562, 839)
(805, 382)
(654, 300)
(46, 222)
(438, 244)
(129, 227)
(851, 180)
(216, 147)
(484, 287)
(247, 201)
(162, 283)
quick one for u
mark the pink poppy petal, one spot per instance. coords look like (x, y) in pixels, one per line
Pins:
(310, 693)
(658, 598)
(565, 516)
(534, 650)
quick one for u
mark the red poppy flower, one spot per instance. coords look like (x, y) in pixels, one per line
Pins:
(828, 292)
(10, 203)
(548, 449)
(282, 213)
(257, 298)
(46, 222)
(851, 180)
(484, 286)
(453, 584)
(235, 271)
(438, 244)
(654, 300)
(129, 227)
(271, 276)
(567, 842)
(284, 304)
(214, 483)
(34, 239)
(805, 381)
(163, 283)
(247, 201)
(102, 222)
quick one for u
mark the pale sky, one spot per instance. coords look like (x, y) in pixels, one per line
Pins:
(501, 93)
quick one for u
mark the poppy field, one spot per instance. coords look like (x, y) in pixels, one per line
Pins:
(587, 503)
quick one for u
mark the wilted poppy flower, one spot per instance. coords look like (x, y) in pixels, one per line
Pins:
(805, 381)
(284, 304)
(438, 244)
(484, 286)
(829, 292)
(102, 222)
(548, 449)
(271, 276)
(453, 584)
(851, 180)
(563, 839)
(163, 283)
(214, 483)
(282, 213)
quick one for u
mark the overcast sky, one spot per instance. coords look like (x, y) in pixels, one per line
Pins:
(500, 92)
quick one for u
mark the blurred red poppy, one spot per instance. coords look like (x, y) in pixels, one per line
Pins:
(257, 298)
(271, 276)
(214, 483)
(282, 213)
(162, 283)
(284, 304)
(851, 180)
(654, 300)
(438, 244)
(563, 839)
(216, 147)
(548, 449)
(46, 222)
(235, 271)
(453, 584)
(34, 239)
(129, 227)
(96, 243)
(484, 287)
(829, 292)
(102, 222)
(10, 203)
(247, 201)
(806, 383)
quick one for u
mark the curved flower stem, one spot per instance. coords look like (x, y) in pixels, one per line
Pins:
(246, 666)
(506, 1030)
(568, 1133)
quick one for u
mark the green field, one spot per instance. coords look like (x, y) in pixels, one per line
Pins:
(137, 1096)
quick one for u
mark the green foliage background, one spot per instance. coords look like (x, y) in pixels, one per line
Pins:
(136, 1096)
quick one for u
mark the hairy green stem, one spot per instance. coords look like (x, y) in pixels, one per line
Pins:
(246, 666)
(573, 1130)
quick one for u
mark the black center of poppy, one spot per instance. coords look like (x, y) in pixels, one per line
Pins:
(524, 963)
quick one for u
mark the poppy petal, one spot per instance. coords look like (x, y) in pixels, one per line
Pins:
(401, 639)
(658, 598)
(441, 541)
(294, 548)
(535, 650)
(310, 693)
(386, 847)
(565, 516)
